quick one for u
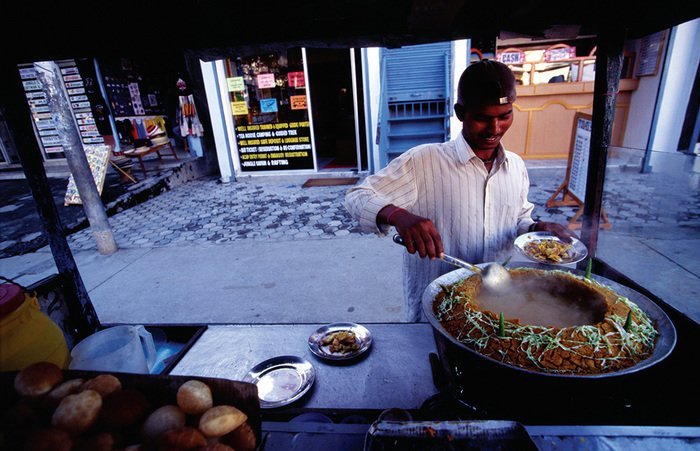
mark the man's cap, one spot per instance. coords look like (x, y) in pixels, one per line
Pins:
(486, 82)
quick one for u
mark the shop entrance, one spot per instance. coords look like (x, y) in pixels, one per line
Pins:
(332, 99)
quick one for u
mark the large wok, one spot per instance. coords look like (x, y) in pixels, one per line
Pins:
(664, 345)
(482, 387)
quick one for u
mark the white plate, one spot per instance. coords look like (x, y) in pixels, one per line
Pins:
(577, 252)
(281, 380)
(362, 334)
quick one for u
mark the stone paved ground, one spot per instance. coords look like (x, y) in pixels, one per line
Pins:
(205, 211)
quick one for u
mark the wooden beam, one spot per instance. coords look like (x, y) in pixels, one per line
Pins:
(607, 79)
(83, 318)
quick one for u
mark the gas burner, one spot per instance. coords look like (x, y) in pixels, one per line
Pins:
(445, 407)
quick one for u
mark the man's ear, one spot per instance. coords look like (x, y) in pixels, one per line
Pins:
(459, 111)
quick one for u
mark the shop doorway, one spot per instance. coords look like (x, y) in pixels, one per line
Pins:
(332, 95)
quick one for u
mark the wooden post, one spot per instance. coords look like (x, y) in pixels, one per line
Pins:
(83, 318)
(609, 55)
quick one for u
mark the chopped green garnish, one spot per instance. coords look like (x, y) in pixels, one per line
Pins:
(589, 268)
(628, 321)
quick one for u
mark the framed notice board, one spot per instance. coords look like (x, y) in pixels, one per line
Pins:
(650, 49)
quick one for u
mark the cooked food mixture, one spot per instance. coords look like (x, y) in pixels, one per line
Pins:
(548, 250)
(592, 329)
(343, 341)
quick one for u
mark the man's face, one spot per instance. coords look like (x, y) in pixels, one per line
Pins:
(484, 126)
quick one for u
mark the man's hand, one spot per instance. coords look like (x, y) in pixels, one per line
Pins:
(418, 233)
(557, 229)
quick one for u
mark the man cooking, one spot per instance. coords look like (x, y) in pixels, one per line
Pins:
(466, 197)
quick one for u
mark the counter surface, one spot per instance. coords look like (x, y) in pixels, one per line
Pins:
(394, 372)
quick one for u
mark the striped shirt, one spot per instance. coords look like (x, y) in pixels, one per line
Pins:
(478, 214)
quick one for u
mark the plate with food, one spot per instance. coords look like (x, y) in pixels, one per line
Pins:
(340, 341)
(545, 247)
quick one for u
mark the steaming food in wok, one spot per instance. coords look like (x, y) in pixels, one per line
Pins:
(551, 321)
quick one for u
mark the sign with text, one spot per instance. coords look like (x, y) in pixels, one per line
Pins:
(511, 57)
(275, 147)
(297, 102)
(296, 80)
(268, 105)
(235, 84)
(239, 108)
(266, 81)
(559, 54)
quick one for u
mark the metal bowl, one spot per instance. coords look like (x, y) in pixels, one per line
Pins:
(665, 343)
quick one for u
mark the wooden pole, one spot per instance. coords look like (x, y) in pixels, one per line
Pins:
(83, 318)
(607, 79)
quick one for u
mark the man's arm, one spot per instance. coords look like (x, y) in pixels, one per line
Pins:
(419, 234)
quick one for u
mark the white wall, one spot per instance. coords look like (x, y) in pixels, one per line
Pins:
(372, 79)
(682, 63)
(462, 50)
(212, 79)
(641, 111)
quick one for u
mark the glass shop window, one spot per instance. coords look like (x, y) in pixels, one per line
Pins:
(270, 109)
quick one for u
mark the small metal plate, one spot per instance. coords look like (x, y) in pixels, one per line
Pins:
(362, 334)
(281, 380)
(577, 252)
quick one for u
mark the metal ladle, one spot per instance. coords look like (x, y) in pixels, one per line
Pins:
(494, 276)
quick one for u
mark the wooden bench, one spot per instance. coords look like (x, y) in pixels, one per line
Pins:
(142, 152)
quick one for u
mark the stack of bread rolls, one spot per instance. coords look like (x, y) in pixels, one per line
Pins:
(98, 413)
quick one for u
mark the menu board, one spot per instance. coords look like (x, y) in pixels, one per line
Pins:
(280, 146)
(580, 151)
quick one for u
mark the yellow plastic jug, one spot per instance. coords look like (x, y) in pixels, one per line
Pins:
(27, 335)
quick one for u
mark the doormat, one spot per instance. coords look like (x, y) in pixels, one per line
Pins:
(330, 181)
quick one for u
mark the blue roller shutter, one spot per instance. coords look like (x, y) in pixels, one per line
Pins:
(415, 99)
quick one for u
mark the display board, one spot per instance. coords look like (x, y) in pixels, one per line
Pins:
(573, 189)
(78, 82)
(578, 156)
(650, 49)
(98, 159)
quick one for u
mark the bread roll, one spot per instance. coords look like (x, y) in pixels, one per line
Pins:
(216, 446)
(76, 413)
(194, 397)
(38, 379)
(124, 408)
(242, 438)
(49, 439)
(62, 390)
(182, 438)
(163, 419)
(220, 420)
(104, 384)
(102, 441)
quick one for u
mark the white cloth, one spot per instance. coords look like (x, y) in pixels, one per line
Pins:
(478, 214)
